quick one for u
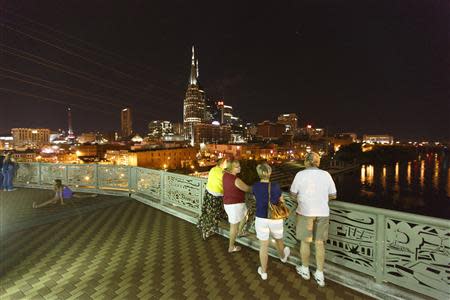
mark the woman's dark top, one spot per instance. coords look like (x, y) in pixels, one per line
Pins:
(261, 192)
(231, 193)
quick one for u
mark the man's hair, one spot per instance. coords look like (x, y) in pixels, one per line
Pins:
(263, 170)
(312, 159)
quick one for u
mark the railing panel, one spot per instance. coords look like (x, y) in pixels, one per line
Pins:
(28, 173)
(291, 222)
(113, 177)
(149, 182)
(352, 239)
(81, 175)
(50, 172)
(183, 191)
(418, 256)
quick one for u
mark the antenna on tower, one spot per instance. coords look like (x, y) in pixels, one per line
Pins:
(69, 120)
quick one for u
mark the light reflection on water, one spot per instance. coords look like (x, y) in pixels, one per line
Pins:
(420, 186)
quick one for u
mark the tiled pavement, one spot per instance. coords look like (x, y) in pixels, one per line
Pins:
(116, 248)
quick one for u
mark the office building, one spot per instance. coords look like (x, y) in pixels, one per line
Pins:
(126, 122)
(290, 121)
(30, 137)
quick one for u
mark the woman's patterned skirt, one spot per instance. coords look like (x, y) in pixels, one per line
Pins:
(212, 213)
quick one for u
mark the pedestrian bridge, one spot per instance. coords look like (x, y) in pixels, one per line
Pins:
(113, 246)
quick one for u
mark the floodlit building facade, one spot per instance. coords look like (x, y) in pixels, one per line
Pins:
(30, 137)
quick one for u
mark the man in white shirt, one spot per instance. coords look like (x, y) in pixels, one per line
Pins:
(313, 188)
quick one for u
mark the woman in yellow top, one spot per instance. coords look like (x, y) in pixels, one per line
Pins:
(212, 208)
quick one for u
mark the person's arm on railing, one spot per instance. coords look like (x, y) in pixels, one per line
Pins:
(242, 186)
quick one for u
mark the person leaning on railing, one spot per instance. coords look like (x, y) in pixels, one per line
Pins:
(212, 208)
(264, 192)
(313, 188)
(234, 190)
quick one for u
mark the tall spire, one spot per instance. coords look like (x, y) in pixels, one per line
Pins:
(193, 78)
(196, 66)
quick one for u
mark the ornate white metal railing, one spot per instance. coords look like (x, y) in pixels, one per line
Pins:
(408, 250)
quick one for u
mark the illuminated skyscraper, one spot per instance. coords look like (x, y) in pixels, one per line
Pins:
(290, 121)
(194, 101)
(70, 135)
(126, 122)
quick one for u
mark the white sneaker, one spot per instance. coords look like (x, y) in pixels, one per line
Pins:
(303, 271)
(263, 275)
(320, 278)
(287, 252)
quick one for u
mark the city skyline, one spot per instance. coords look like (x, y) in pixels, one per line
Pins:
(386, 75)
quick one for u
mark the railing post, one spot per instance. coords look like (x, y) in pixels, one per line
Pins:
(131, 179)
(39, 174)
(66, 175)
(202, 193)
(97, 185)
(162, 186)
(380, 248)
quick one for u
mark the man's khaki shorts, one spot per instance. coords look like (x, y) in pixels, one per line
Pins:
(311, 229)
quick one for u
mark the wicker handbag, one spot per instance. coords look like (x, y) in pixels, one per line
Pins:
(277, 211)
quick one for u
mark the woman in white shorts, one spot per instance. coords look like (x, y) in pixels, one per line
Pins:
(264, 226)
(234, 202)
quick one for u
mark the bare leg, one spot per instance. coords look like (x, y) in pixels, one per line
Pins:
(280, 247)
(304, 253)
(242, 224)
(51, 201)
(320, 255)
(233, 234)
(263, 254)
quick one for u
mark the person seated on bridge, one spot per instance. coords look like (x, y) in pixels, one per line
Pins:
(61, 192)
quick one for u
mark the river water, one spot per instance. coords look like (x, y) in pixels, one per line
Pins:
(421, 186)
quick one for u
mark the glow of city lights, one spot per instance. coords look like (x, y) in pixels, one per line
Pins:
(363, 173)
(422, 173)
(408, 173)
(396, 171)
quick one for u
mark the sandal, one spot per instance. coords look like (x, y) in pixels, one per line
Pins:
(235, 249)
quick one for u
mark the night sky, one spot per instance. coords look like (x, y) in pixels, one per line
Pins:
(361, 66)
